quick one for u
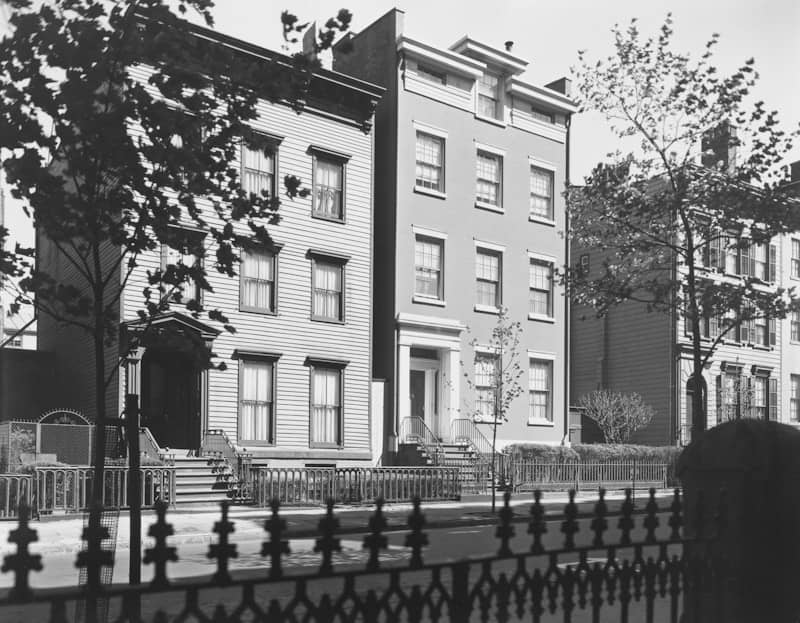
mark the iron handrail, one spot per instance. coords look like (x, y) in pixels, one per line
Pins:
(414, 430)
(464, 429)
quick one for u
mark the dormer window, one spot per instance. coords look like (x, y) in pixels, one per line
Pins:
(489, 96)
(432, 75)
(542, 115)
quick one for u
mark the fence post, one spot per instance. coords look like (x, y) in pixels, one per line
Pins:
(134, 500)
(460, 602)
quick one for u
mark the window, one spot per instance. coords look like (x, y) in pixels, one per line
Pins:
(432, 75)
(430, 162)
(490, 178)
(486, 387)
(328, 188)
(541, 288)
(730, 387)
(794, 326)
(489, 96)
(541, 193)
(428, 256)
(758, 260)
(542, 115)
(258, 170)
(488, 270)
(540, 391)
(758, 397)
(326, 406)
(327, 280)
(755, 328)
(256, 401)
(794, 397)
(181, 254)
(257, 281)
(795, 258)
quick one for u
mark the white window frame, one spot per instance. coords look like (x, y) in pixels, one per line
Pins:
(270, 177)
(428, 235)
(498, 284)
(440, 136)
(337, 367)
(794, 269)
(497, 97)
(339, 263)
(167, 250)
(549, 359)
(794, 398)
(549, 261)
(485, 354)
(273, 302)
(271, 363)
(339, 161)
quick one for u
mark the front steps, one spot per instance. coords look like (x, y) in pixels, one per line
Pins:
(199, 480)
(474, 476)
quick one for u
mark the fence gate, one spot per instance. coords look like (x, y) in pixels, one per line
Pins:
(67, 434)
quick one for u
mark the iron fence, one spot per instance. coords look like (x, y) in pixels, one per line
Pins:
(647, 566)
(14, 489)
(635, 474)
(352, 485)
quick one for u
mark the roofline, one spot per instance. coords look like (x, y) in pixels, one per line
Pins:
(506, 59)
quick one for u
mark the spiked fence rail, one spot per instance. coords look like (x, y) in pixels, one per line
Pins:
(641, 570)
(530, 475)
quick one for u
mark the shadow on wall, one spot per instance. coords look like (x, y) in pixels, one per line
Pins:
(27, 384)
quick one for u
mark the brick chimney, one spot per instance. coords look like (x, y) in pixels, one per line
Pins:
(792, 187)
(720, 144)
(562, 85)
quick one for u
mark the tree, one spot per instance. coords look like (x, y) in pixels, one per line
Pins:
(666, 226)
(107, 163)
(495, 382)
(617, 415)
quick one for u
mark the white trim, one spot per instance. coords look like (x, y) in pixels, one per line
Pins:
(482, 205)
(540, 422)
(494, 121)
(541, 318)
(430, 233)
(486, 309)
(542, 164)
(489, 246)
(489, 149)
(534, 354)
(428, 300)
(492, 56)
(541, 257)
(430, 191)
(542, 221)
(451, 60)
(429, 322)
(429, 129)
(485, 350)
(553, 99)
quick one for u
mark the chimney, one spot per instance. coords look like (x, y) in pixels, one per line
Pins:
(509, 45)
(310, 42)
(795, 171)
(562, 85)
(720, 144)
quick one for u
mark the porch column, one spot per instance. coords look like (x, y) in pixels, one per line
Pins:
(204, 398)
(454, 385)
(133, 373)
(403, 384)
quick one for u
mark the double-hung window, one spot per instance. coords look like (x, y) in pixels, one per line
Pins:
(794, 326)
(327, 393)
(486, 376)
(488, 274)
(429, 171)
(432, 75)
(540, 391)
(258, 169)
(758, 397)
(542, 115)
(428, 267)
(327, 288)
(181, 256)
(257, 400)
(795, 268)
(540, 288)
(489, 178)
(794, 397)
(541, 202)
(328, 186)
(489, 96)
(257, 281)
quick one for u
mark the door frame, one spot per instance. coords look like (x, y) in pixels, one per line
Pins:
(433, 393)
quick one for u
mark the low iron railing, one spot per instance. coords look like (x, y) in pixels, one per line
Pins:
(14, 489)
(217, 444)
(465, 430)
(414, 430)
(353, 485)
(634, 474)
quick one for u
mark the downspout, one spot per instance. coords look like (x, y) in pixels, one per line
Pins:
(567, 304)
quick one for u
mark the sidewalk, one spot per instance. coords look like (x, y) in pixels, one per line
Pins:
(195, 525)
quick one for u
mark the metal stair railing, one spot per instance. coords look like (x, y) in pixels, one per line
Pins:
(464, 429)
(217, 446)
(414, 430)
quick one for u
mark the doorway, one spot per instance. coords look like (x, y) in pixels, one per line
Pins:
(171, 398)
(424, 391)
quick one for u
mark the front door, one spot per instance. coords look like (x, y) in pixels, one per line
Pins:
(171, 398)
(424, 392)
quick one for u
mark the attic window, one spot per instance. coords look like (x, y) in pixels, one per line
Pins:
(542, 115)
(432, 75)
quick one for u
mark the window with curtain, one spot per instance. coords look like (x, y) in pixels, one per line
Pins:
(327, 281)
(541, 288)
(795, 269)
(257, 281)
(758, 397)
(258, 170)
(489, 96)
(328, 187)
(489, 178)
(186, 251)
(487, 274)
(486, 386)
(326, 406)
(429, 170)
(256, 400)
(794, 326)
(794, 397)
(541, 193)
(540, 391)
(428, 268)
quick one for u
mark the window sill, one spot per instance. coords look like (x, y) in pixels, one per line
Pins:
(325, 217)
(487, 309)
(761, 347)
(256, 310)
(326, 320)
(256, 444)
(430, 192)
(540, 318)
(492, 120)
(542, 221)
(489, 207)
(539, 422)
(330, 446)
(479, 419)
(424, 300)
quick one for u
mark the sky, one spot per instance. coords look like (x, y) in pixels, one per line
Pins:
(549, 35)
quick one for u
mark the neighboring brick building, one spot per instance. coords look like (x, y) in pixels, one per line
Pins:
(470, 165)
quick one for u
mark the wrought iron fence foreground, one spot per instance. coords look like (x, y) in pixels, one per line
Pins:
(642, 568)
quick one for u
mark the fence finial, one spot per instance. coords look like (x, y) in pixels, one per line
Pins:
(651, 521)
(676, 517)
(327, 543)
(570, 524)
(505, 529)
(160, 554)
(625, 523)
(599, 523)
(537, 526)
(277, 545)
(375, 540)
(22, 562)
(224, 550)
(416, 539)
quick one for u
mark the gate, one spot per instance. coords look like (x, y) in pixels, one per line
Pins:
(645, 567)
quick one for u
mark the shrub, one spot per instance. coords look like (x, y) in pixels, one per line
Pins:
(618, 415)
(541, 452)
